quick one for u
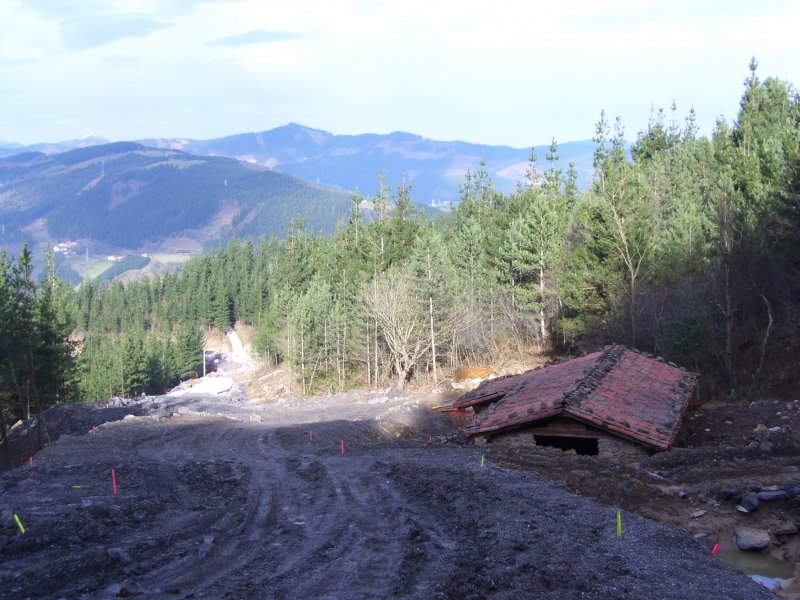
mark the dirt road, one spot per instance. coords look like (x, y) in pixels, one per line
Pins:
(208, 507)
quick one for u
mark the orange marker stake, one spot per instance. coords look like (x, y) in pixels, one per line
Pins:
(310, 435)
(715, 550)
(114, 481)
(342, 446)
(30, 461)
(94, 430)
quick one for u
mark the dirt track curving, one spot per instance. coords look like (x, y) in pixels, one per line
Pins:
(214, 508)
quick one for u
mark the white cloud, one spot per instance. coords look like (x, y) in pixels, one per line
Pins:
(506, 72)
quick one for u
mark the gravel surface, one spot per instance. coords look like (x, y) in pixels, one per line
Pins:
(268, 506)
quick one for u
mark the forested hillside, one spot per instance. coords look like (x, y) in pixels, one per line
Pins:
(687, 248)
(434, 168)
(125, 195)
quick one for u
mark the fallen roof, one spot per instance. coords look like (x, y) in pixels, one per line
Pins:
(625, 392)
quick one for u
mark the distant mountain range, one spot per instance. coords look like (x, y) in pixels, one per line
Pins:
(435, 169)
(126, 196)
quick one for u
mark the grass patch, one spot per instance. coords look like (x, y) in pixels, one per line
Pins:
(170, 259)
(88, 269)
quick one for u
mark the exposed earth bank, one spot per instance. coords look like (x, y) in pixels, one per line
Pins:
(353, 496)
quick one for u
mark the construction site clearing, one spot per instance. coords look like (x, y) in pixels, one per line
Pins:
(374, 495)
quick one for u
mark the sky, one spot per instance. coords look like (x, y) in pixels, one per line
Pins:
(516, 73)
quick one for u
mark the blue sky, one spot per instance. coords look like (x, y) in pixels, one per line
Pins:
(500, 72)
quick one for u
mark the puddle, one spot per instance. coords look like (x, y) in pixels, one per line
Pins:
(762, 568)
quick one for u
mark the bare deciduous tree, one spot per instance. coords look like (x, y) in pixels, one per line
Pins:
(400, 315)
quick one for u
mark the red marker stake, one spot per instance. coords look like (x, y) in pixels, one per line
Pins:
(351, 424)
(30, 461)
(715, 550)
(342, 446)
(94, 430)
(114, 481)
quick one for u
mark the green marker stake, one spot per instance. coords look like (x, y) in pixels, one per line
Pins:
(77, 487)
(619, 523)
(19, 524)
(483, 458)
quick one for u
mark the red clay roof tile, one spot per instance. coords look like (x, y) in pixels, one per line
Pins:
(620, 390)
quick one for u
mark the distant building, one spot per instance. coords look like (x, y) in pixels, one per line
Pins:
(65, 247)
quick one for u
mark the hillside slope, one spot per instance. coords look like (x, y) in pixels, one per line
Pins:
(128, 196)
(435, 169)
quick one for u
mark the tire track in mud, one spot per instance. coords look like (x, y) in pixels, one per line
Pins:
(212, 508)
(313, 523)
(226, 536)
(362, 540)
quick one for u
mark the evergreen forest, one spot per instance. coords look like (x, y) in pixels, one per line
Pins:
(684, 246)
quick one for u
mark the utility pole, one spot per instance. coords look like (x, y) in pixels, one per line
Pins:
(204, 362)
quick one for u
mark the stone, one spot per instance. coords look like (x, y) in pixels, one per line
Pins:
(786, 528)
(766, 446)
(767, 496)
(130, 588)
(706, 500)
(119, 555)
(749, 501)
(698, 513)
(750, 538)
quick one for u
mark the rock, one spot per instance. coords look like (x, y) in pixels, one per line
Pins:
(786, 528)
(760, 433)
(114, 589)
(749, 501)
(698, 513)
(750, 538)
(706, 500)
(120, 555)
(766, 446)
(129, 588)
(728, 494)
(767, 496)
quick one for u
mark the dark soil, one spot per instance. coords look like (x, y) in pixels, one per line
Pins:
(209, 507)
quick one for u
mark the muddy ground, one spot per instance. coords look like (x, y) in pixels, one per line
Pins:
(352, 496)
